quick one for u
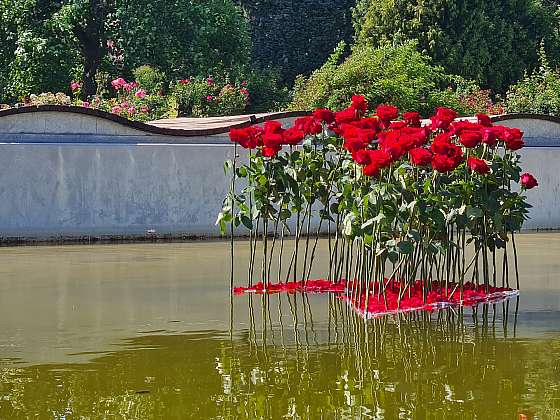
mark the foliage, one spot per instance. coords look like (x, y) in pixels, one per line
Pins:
(48, 44)
(150, 79)
(491, 42)
(538, 92)
(398, 75)
(32, 57)
(296, 37)
(266, 93)
(198, 97)
(182, 37)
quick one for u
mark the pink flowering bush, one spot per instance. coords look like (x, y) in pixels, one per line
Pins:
(128, 99)
(204, 97)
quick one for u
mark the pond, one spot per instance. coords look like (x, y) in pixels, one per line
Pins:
(146, 331)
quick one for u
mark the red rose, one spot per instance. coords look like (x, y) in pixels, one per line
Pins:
(412, 119)
(359, 104)
(513, 138)
(489, 137)
(397, 125)
(528, 181)
(272, 127)
(371, 170)
(484, 120)
(270, 151)
(308, 125)
(381, 158)
(367, 123)
(272, 140)
(249, 137)
(442, 163)
(354, 144)
(346, 116)
(361, 157)
(444, 117)
(325, 115)
(420, 156)
(386, 113)
(478, 165)
(470, 138)
(293, 136)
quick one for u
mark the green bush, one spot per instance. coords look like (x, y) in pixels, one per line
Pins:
(538, 92)
(266, 95)
(150, 79)
(400, 76)
(490, 42)
(199, 97)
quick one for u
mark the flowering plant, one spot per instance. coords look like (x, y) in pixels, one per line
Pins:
(197, 97)
(392, 191)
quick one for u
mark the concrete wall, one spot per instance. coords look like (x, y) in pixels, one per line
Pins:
(126, 183)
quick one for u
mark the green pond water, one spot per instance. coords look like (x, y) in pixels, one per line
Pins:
(146, 331)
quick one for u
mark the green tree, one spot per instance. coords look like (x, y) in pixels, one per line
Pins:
(49, 43)
(183, 37)
(491, 42)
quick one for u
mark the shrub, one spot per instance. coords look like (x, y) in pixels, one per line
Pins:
(266, 93)
(491, 42)
(538, 92)
(398, 75)
(150, 79)
(199, 97)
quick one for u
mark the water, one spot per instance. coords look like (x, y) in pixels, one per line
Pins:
(145, 331)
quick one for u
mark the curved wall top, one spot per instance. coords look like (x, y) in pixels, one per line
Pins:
(74, 120)
(62, 123)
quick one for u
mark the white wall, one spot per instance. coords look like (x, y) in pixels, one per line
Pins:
(70, 185)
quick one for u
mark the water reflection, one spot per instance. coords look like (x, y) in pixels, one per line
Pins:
(287, 365)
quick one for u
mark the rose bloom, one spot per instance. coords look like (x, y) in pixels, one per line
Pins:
(144, 109)
(528, 181)
(371, 170)
(386, 113)
(116, 109)
(478, 165)
(270, 151)
(346, 116)
(184, 81)
(308, 125)
(209, 98)
(444, 117)
(442, 163)
(86, 104)
(118, 83)
(412, 119)
(484, 120)
(489, 137)
(210, 81)
(325, 115)
(75, 86)
(132, 110)
(420, 156)
(360, 104)
(293, 136)
(379, 157)
(361, 157)
(140, 93)
(470, 138)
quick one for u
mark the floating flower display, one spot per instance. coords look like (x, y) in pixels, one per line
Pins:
(436, 201)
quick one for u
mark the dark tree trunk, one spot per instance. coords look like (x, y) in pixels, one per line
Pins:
(90, 32)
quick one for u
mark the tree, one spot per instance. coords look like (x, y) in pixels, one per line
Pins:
(492, 42)
(47, 44)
